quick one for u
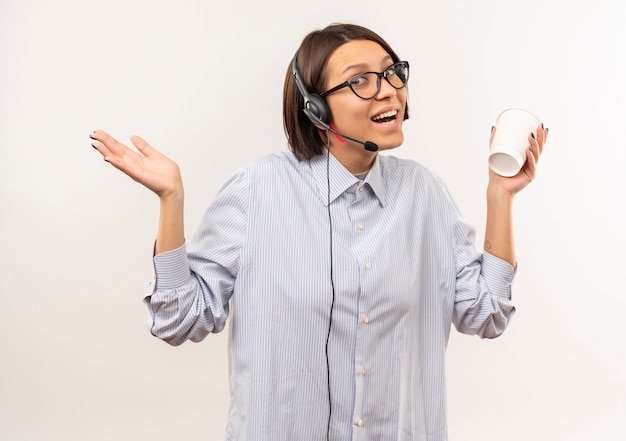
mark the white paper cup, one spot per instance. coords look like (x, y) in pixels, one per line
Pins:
(508, 148)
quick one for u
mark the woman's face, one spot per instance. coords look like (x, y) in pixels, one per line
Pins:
(359, 118)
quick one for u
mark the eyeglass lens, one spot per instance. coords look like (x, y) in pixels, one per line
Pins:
(367, 85)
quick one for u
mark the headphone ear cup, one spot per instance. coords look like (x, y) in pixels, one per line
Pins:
(317, 106)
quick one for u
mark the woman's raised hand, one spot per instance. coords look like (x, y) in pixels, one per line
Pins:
(528, 172)
(145, 165)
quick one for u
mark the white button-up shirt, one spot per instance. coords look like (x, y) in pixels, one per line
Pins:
(404, 268)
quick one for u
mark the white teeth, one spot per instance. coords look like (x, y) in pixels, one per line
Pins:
(385, 115)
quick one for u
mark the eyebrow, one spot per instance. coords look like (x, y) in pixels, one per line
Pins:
(363, 66)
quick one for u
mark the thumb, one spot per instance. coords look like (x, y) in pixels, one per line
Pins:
(142, 145)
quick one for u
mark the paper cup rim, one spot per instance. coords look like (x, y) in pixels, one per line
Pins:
(518, 108)
(515, 155)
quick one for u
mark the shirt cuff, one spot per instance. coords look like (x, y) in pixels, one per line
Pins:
(172, 268)
(499, 275)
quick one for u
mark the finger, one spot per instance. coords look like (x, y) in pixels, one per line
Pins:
(141, 145)
(540, 134)
(97, 145)
(530, 167)
(534, 147)
(112, 145)
(541, 137)
(493, 133)
(114, 152)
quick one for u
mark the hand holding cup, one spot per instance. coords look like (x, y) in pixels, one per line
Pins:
(508, 147)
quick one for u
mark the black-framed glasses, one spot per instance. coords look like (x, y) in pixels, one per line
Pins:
(366, 85)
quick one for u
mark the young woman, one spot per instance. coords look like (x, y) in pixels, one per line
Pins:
(341, 270)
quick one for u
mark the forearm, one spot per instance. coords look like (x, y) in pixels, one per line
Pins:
(178, 303)
(170, 233)
(499, 237)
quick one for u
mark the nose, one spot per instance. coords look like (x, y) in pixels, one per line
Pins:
(386, 90)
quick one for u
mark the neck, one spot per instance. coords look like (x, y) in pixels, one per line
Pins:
(353, 157)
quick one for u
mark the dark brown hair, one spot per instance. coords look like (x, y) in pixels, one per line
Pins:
(302, 135)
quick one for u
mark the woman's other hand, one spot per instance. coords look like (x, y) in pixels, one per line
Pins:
(145, 165)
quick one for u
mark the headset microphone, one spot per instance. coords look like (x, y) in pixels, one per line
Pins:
(317, 111)
(367, 145)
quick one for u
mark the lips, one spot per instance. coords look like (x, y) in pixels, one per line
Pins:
(386, 117)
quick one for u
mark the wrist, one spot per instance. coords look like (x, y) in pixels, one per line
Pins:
(173, 202)
(498, 195)
(174, 195)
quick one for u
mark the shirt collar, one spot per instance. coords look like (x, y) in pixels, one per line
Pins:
(341, 179)
(375, 180)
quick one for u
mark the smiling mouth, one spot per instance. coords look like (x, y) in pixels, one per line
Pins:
(386, 118)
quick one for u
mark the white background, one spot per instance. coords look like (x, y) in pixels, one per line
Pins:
(202, 81)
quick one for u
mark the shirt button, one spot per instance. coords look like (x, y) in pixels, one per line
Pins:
(366, 319)
(359, 226)
(359, 423)
(368, 266)
(361, 188)
(362, 371)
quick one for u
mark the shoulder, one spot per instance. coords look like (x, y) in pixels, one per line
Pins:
(270, 163)
(408, 170)
(265, 170)
(411, 181)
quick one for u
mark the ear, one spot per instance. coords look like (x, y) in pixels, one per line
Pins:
(315, 119)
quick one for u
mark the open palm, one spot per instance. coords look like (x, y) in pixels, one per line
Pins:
(145, 165)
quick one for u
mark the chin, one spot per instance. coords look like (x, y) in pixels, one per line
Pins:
(387, 148)
(390, 144)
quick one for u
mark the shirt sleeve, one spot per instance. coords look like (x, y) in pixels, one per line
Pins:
(483, 304)
(189, 295)
(482, 299)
